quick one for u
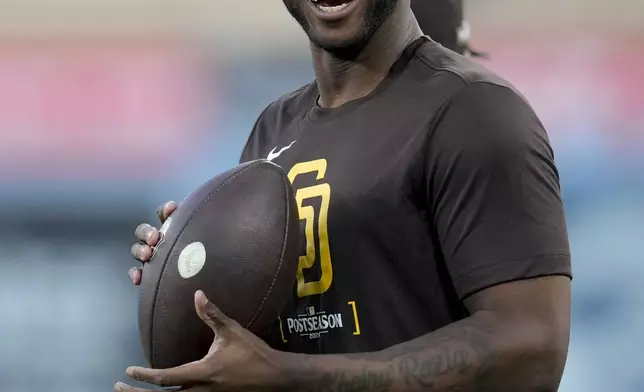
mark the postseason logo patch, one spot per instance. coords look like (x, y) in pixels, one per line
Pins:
(313, 324)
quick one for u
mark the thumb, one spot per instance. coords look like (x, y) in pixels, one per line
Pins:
(210, 313)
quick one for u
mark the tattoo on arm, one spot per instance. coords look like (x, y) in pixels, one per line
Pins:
(461, 357)
(366, 380)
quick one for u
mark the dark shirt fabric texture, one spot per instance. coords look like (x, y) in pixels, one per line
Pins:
(438, 184)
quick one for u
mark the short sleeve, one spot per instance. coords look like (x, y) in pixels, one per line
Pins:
(248, 153)
(252, 146)
(494, 191)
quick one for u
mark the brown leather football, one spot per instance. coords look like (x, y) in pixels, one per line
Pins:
(236, 238)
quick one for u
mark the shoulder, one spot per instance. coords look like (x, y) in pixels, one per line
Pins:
(275, 119)
(436, 72)
(435, 61)
(475, 103)
(443, 88)
(289, 106)
(477, 118)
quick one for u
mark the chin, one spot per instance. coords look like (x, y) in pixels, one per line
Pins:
(343, 44)
(340, 26)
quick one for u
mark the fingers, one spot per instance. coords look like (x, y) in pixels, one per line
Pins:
(148, 237)
(189, 374)
(147, 234)
(210, 314)
(142, 252)
(166, 209)
(135, 275)
(121, 387)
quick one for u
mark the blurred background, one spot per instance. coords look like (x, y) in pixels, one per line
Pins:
(109, 107)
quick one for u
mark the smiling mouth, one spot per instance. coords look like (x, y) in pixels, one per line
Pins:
(331, 6)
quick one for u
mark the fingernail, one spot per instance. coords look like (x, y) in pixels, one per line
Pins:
(118, 386)
(131, 273)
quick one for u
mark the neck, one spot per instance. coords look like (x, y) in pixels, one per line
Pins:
(340, 81)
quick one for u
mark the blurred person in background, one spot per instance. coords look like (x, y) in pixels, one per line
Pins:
(445, 23)
(441, 221)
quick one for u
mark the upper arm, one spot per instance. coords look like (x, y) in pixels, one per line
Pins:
(541, 305)
(497, 210)
(494, 191)
(531, 319)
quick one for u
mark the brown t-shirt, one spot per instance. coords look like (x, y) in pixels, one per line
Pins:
(437, 185)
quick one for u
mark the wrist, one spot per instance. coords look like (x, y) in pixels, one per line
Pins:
(296, 370)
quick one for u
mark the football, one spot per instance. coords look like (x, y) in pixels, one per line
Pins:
(236, 238)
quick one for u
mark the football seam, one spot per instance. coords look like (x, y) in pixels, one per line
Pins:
(165, 264)
(279, 265)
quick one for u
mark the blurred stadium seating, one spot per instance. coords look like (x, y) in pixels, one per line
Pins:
(109, 107)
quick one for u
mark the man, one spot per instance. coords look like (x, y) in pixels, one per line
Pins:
(443, 20)
(437, 256)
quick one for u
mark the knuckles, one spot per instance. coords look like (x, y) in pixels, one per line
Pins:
(146, 233)
(141, 252)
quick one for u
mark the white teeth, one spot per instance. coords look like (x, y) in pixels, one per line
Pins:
(335, 8)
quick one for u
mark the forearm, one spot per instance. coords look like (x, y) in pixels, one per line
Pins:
(474, 354)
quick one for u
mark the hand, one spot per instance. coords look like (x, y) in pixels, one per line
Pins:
(148, 237)
(236, 361)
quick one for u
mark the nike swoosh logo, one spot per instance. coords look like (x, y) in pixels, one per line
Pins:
(274, 154)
